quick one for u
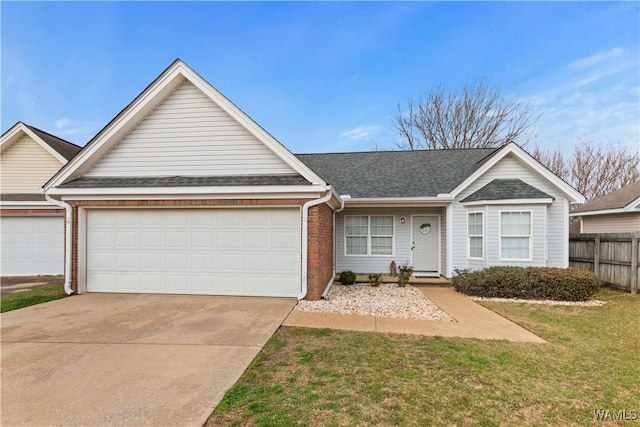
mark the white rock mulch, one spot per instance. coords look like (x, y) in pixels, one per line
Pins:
(591, 303)
(386, 300)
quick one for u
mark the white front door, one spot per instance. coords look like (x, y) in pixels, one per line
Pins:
(425, 238)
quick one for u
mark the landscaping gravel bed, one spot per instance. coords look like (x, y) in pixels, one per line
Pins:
(590, 303)
(386, 300)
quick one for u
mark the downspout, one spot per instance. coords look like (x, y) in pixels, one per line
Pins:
(335, 257)
(68, 234)
(305, 237)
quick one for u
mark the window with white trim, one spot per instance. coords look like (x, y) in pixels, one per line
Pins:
(515, 235)
(368, 235)
(475, 227)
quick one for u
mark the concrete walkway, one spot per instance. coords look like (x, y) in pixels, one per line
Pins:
(472, 321)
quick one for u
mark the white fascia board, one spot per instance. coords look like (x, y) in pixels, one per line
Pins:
(512, 148)
(633, 205)
(399, 201)
(545, 201)
(14, 133)
(599, 212)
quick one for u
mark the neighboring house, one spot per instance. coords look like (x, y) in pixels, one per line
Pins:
(183, 193)
(616, 212)
(32, 230)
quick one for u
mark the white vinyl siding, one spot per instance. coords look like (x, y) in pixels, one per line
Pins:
(26, 166)
(188, 134)
(369, 235)
(401, 238)
(612, 223)
(32, 245)
(253, 251)
(475, 228)
(549, 245)
(515, 235)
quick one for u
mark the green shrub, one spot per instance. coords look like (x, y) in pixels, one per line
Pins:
(528, 283)
(347, 277)
(375, 279)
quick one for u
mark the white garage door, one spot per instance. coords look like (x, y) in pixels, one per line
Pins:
(32, 245)
(194, 251)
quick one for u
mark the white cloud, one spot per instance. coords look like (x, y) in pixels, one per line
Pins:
(69, 127)
(361, 132)
(596, 98)
(597, 58)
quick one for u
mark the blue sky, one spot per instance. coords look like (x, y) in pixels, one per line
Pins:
(326, 76)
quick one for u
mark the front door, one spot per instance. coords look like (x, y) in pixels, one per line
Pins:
(425, 243)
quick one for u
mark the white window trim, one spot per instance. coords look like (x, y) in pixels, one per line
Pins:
(481, 236)
(530, 236)
(368, 236)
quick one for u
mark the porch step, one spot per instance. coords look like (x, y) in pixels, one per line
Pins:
(416, 281)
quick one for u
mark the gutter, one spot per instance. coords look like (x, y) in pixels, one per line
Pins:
(333, 275)
(68, 230)
(305, 237)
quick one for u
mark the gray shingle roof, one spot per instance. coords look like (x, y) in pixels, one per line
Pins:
(615, 200)
(379, 174)
(184, 181)
(65, 148)
(505, 189)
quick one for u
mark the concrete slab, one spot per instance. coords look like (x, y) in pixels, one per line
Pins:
(129, 359)
(471, 321)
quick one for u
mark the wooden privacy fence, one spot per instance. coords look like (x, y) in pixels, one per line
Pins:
(613, 257)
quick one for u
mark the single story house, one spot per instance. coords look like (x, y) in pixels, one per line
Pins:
(31, 229)
(182, 192)
(616, 212)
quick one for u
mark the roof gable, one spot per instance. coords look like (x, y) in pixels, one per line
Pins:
(506, 189)
(160, 134)
(58, 148)
(626, 198)
(30, 157)
(187, 134)
(526, 160)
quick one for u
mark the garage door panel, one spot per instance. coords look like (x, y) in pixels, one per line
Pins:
(200, 251)
(32, 245)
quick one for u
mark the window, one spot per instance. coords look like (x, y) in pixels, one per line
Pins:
(515, 235)
(475, 231)
(368, 235)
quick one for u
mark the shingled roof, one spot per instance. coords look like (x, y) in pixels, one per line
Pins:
(506, 189)
(618, 199)
(380, 174)
(184, 181)
(66, 149)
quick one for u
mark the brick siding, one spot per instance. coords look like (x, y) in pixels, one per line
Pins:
(320, 254)
(31, 212)
(320, 264)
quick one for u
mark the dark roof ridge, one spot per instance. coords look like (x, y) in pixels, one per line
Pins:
(50, 134)
(404, 151)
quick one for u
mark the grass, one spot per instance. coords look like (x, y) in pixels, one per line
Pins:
(31, 297)
(337, 378)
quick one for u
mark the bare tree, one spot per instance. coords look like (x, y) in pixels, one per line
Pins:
(477, 116)
(592, 169)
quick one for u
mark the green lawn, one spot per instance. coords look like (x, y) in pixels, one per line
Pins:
(323, 377)
(32, 297)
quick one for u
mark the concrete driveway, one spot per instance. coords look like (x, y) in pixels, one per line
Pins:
(114, 359)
